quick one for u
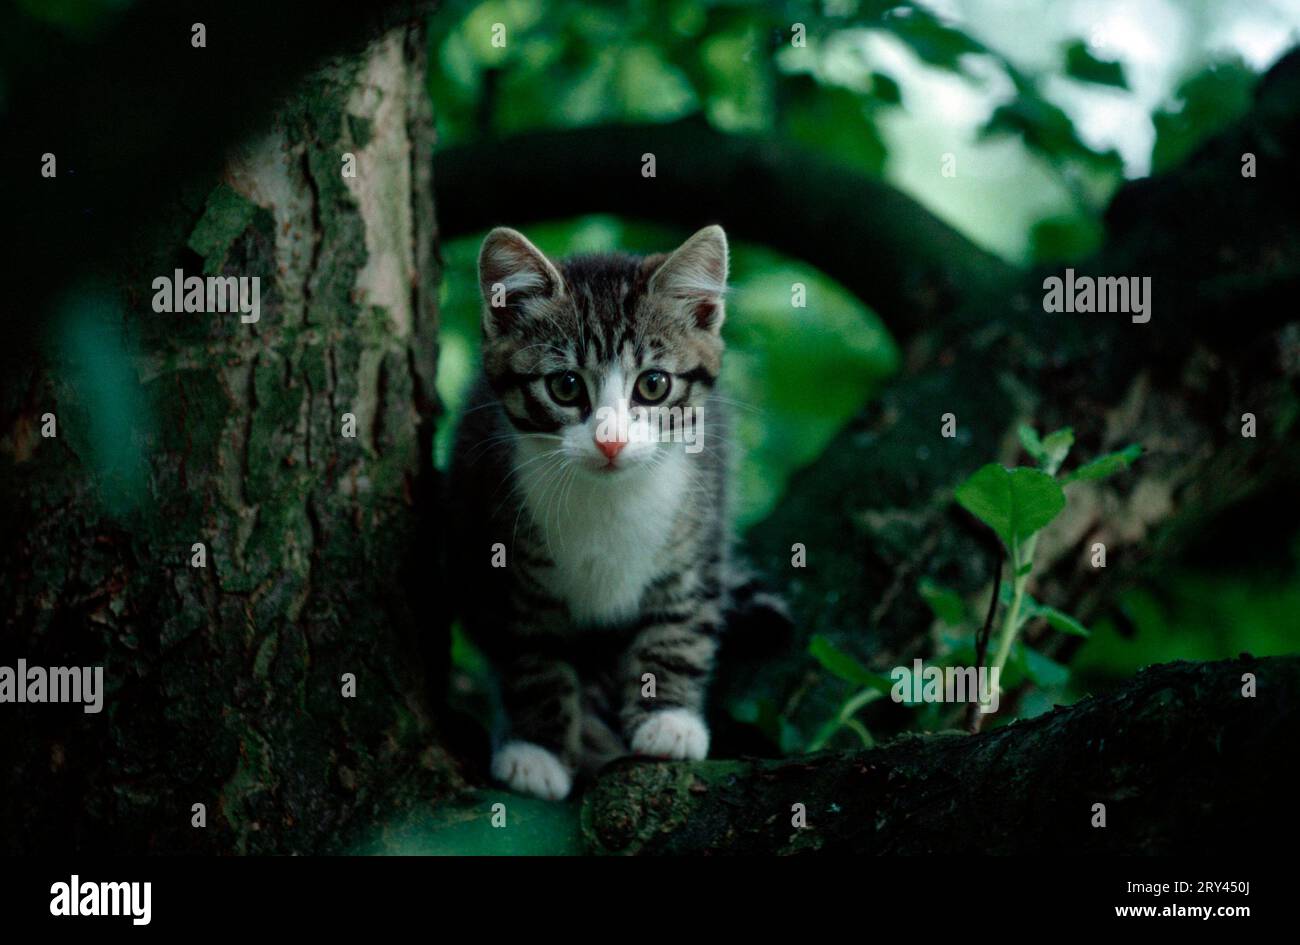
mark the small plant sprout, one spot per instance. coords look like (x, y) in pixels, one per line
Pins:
(1017, 504)
(846, 666)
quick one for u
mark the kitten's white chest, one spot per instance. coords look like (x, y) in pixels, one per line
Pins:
(608, 539)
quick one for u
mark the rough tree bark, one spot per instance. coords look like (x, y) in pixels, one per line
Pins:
(136, 114)
(1180, 759)
(225, 682)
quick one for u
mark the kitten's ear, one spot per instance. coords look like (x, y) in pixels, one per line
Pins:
(512, 270)
(696, 274)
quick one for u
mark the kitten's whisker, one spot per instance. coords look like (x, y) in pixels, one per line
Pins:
(519, 480)
(487, 442)
(545, 470)
(732, 402)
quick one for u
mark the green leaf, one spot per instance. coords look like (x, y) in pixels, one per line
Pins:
(1056, 447)
(946, 603)
(1030, 441)
(1107, 465)
(934, 41)
(1065, 237)
(1043, 670)
(834, 121)
(1013, 672)
(824, 734)
(885, 89)
(844, 665)
(1031, 608)
(1082, 65)
(1047, 130)
(1061, 621)
(1202, 105)
(1005, 594)
(1049, 452)
(1015, 503)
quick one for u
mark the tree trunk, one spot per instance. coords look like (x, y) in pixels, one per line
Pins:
(228, 683)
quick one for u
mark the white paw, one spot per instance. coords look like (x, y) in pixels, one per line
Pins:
(531, 769)
(672, 733)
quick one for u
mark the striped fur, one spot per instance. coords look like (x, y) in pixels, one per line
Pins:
(612, 577)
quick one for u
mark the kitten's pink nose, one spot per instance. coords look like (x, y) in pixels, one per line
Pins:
(610, 447)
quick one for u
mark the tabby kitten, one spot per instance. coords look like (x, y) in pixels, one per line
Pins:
(589, 484)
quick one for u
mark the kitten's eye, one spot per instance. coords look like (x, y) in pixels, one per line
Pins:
(565, 387)
(652, 386)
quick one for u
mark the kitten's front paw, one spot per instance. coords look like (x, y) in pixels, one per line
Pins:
(531, 769)
(672, 733)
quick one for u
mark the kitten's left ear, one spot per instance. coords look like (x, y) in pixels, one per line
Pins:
(696, 274)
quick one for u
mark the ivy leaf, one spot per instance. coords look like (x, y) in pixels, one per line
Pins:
(1107, 465)
(1015, 503)
(845, 665)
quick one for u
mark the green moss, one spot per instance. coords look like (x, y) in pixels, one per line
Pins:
(225, 217)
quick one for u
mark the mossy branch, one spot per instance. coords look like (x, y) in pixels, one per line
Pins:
(1181, 758)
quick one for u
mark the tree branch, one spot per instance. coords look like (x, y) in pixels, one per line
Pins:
(881, 244)
(1181, 759)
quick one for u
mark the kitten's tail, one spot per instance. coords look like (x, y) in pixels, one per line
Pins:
(757, 619)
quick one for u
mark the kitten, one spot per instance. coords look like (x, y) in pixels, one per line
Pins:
(589, 491)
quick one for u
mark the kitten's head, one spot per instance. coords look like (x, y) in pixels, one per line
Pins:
(609, 358)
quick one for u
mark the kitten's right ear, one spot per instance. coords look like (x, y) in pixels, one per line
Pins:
(511, 270)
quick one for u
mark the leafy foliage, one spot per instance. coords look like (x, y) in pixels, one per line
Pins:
(1081, 64)
(1204, 104)
(1016, 504)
